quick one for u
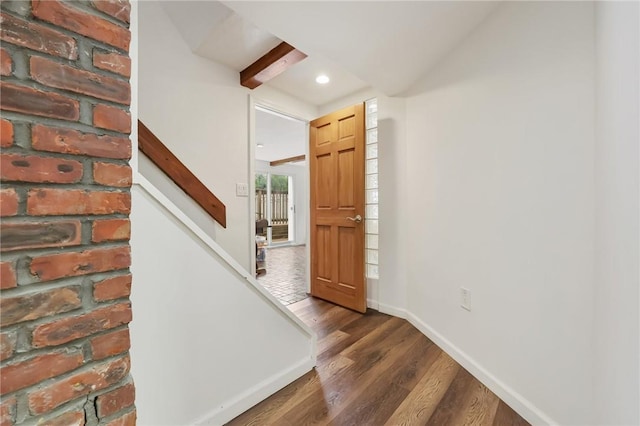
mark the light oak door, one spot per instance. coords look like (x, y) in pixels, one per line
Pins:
(336, 163)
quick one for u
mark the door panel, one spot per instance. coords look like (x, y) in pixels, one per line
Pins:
(336, 163)
(324, 181)
(346, 180)
(323, 250)
(324, 134)
(346, 237)
(346, 128)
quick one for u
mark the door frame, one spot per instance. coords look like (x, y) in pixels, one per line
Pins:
(261, 103)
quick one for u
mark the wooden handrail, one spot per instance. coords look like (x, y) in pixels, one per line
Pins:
(157, 152)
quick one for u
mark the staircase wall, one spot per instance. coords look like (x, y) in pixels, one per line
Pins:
(208, 341)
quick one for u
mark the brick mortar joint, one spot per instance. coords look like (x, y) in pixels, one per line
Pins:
(35, 353)
(72, 346)
(25, 290)
(29, 120)
(85, 284)
(83, 309)
(77, 63)
(79, 97)
(81, 275)
(58, 218)
(81, 186)
(19, 150)
(69, 348)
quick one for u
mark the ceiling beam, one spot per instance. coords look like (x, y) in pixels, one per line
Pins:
(288, 160)
(274, 62)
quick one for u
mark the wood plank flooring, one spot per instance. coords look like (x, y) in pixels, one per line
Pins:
(374, 369)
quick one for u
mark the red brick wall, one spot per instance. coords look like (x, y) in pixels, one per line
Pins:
(65, 203)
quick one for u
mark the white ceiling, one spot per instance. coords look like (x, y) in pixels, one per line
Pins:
(299, 81)
(387, 45)
(281, 136)
(214, 31)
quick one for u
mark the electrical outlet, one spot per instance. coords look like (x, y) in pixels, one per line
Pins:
(242, 190)
(465, 298)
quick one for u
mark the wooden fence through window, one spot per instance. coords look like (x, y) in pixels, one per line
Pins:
(279, 207)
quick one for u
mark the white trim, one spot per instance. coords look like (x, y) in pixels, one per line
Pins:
(516, 401)
(133, 81)
(373, 304)
(238, 405)
(273, 108)
(251, 180)
(261, 106)
(149, 188)
(393, 310)
(307, 172)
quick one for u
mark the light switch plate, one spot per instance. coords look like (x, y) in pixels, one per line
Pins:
(465, 298)
(242, 190)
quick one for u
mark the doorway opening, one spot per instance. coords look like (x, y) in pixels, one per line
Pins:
(281, 200)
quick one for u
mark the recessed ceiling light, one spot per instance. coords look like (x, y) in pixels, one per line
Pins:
(322, 79)
(260, 145)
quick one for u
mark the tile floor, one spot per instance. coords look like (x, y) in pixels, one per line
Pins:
(285, 273)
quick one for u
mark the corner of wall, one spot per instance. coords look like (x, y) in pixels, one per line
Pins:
(617, 272)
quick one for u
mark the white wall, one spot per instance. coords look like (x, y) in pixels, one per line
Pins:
(393, 200)
(270, 98)
(352, 99)
(301, 194)
(206, 344)
(500, 171)
(189, 207)
(618, 114)
(199, 110)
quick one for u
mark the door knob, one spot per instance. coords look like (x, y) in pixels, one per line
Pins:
(356, 219)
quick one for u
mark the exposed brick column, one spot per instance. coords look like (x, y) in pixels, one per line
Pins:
(64, 207)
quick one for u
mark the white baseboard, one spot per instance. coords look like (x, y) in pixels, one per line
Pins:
(392, 310)
(516, 401)
(373, 304)
(241, 403)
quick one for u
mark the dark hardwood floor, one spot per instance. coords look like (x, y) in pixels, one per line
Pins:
(375, 369)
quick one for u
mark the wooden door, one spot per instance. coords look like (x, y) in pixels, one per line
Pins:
(336, 163)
